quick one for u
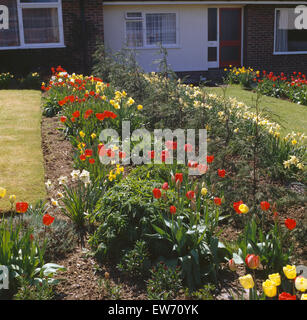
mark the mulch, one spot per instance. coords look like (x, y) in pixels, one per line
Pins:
(81, 281)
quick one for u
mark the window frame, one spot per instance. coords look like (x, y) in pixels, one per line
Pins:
(282, 52)
(35, 5)
(154, 46)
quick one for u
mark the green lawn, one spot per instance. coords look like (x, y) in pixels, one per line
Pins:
(21, 158)
(291, 116)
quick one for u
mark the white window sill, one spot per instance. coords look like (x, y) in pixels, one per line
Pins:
(34, 46)
(290, 52)
(154, 48)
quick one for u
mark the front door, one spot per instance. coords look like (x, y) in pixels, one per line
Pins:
(230, 34)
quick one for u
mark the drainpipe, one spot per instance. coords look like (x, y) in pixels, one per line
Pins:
(84, 39)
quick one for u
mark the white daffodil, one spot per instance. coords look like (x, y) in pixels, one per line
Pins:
(54, 202)
(48, 184)
(75, 174)
(63, 180)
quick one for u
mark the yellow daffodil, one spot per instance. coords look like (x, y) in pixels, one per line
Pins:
(293, 142)
(2, 192)
(247, 282)
(130, 102)
(300, 166)
(139, 107)
(275, 278)
(290, 271)
(304, 296)
(269, 288)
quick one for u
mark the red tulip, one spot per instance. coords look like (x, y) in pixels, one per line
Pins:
(171, 145)
(73, 119)
(210, 159)
(217, 201)
(76, 114)
(221, 172)
(157, 193)
(151, 154)
(236, 206)
(264, 205)
(190, 195)
(63, 119)
(122, 154)
(290, 224)
(178, 176)
(91, 161)
(47, 219)
(100, 116)
(21, 207)
(188, 147)
(88, 152)
(82, 157)
(286, 296)
(164, 155)
(172, 209)
(165, 186)
(252, 261)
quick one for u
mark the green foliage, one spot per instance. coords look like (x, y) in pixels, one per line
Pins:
(28, 291)
(80, 201)
(272, 247)
(6, 80)
(135, 262)
(58, 240)
(21, 255)
(124, 213)
(121, 70)
(204, 293)
(164, 283)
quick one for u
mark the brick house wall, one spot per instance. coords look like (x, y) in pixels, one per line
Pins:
(80, 41)
(259, 42)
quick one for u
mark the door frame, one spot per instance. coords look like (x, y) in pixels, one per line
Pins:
(227, 63)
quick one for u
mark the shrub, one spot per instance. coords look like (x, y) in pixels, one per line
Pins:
(135, 262)
(164, 283)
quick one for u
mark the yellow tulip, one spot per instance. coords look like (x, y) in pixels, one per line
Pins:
(12, 198)
(290, 271)
(2, 192)
(82, 134)
(93, 135)
(243, 208)
(204, 191)
(247, 282)
(275, 278)
(269, 288)
(301, 284)
(140, 107)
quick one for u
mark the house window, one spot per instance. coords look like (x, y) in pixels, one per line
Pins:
(288, 39)
(33, 24)
(151, 29)
(160, 28)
